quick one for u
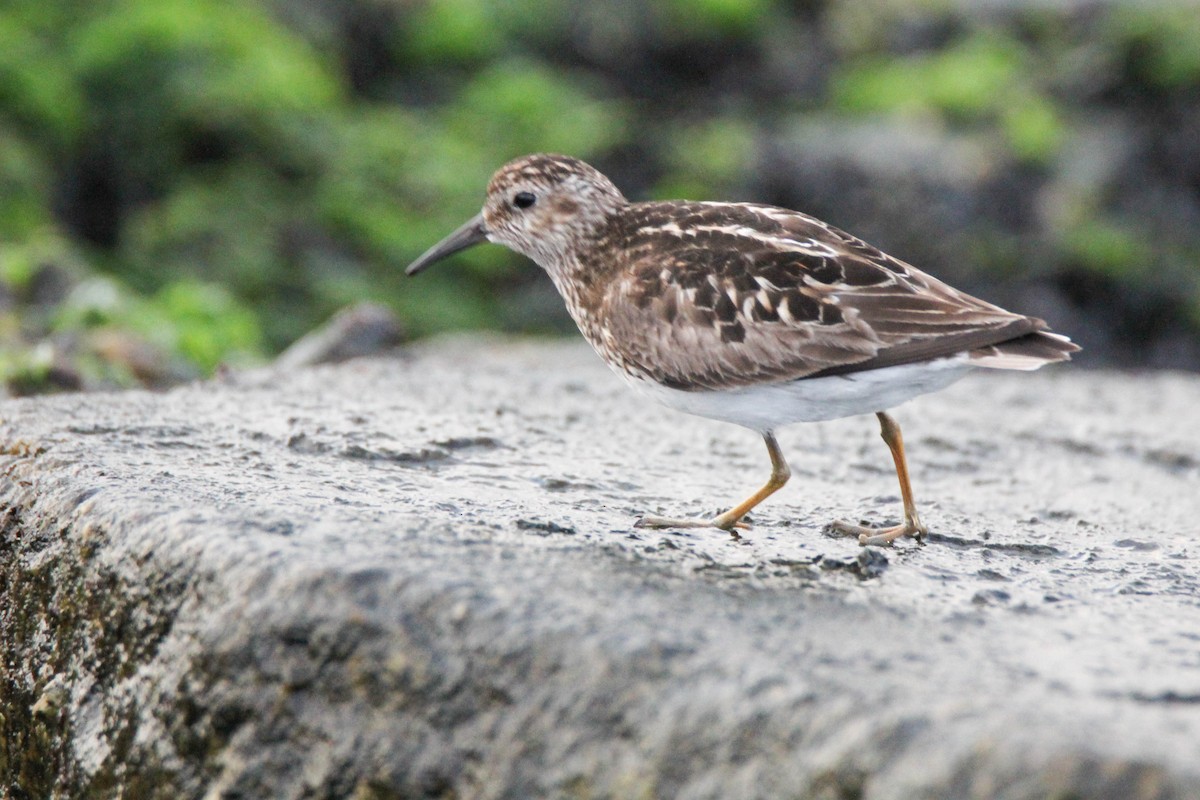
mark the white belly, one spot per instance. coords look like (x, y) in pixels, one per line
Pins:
(769, 406)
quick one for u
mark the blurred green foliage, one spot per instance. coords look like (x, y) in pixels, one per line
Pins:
(212, 178)
(1163, 42)
(1105, 246)
(987, 78)
(706, 18)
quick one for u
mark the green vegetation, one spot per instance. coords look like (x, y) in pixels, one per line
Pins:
(987, 78)
(185, 183)
(1105, 247)
(1163, 43)
(206, 176)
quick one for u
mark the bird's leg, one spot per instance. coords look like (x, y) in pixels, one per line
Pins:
(731, 519)
(890, 431)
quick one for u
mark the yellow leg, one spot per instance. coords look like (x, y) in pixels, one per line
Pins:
(732, 518)
(890, 431)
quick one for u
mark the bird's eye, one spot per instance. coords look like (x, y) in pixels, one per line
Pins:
(524, 199)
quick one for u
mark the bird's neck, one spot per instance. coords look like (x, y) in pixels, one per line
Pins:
(583, 271)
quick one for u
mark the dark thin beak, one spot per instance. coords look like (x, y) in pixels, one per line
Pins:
(469, 235)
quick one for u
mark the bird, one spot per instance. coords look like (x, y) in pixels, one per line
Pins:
(747, 313)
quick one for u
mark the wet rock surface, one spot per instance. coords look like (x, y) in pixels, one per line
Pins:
(418, 576)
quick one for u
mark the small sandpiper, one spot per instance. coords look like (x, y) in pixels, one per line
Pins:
(747, 313)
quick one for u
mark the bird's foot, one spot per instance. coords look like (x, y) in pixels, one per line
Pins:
(880, 536)
(716, 522)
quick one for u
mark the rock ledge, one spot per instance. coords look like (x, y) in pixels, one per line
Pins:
(417, 577)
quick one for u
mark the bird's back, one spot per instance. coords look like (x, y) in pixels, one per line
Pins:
(711, 296)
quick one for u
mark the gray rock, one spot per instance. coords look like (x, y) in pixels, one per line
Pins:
(355, 331)
(418, 577)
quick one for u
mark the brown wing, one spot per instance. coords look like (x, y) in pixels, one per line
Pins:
(726, 295)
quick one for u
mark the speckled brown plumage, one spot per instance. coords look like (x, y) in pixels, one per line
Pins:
(715, 296)
(750, 313)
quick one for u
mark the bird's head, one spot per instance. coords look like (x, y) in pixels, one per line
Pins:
(542, 206)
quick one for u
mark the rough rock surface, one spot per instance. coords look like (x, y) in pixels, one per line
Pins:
(417, 577)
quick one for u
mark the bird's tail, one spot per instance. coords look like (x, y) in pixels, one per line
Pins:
(1026, 352)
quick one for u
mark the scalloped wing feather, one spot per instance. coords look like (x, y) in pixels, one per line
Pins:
(721, 295)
